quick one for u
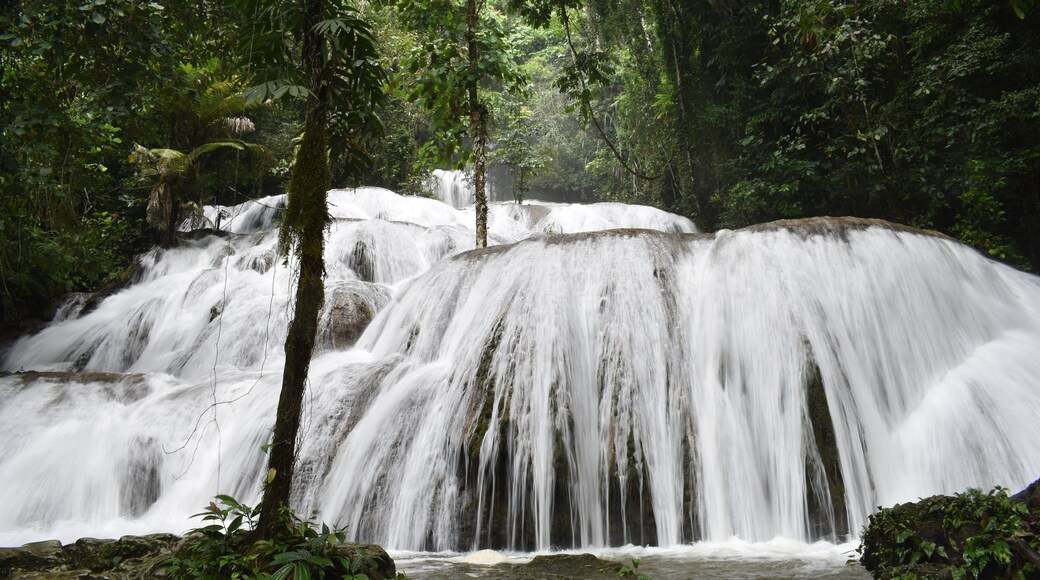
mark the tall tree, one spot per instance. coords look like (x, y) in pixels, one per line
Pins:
(323, 52)
(461, 53)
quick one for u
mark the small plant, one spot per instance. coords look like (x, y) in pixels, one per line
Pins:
(298, 550)
(633, 571)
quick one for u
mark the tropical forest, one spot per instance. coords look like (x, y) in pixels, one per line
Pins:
(520, 289)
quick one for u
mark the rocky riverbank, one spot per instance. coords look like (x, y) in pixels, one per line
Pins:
(139, 557)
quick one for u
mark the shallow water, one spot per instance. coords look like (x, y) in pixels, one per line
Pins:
(779, 559)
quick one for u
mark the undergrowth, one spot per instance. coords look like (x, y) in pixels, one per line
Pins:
(299, 549)
(968, 535)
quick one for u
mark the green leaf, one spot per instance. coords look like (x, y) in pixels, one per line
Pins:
(227, 500)
(235, 524)
(282, 572)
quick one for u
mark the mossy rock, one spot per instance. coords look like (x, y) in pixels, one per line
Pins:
(101, 555)
(567, 567)
(374, 561)
(90, 558)
(34, 556)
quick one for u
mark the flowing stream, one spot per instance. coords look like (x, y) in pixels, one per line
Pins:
(602, 376)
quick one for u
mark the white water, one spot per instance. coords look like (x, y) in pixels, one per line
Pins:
(648, 387)
(453, 187)
(777, 559)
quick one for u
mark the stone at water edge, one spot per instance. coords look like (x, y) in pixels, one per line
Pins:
(486, 558)
(36, 554)
(1030, 496)
(568, 567)
(376, 563)
(138, 557)
(127, 557)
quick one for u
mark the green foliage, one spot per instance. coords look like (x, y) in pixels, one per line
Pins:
(396, 162)
(633, 571)
(968, 535)
(517, 149)
(299, 549)
(351, 76)
(80, 83)
(442, 70)
(307, 214)
(922, 113)
(981, 219)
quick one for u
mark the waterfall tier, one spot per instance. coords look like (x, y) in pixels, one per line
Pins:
(568, 389)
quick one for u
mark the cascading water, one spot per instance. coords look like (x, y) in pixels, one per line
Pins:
(453, 187)
(586, 389)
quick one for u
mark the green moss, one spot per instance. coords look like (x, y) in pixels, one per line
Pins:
(486, 383)
(307, 209)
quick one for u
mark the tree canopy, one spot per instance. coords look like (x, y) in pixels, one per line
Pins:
(731, 113)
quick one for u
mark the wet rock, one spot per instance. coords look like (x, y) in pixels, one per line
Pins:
(138, 553)
(118, 282)
(362, 262)
(37, 555)
(568, 566)
(1030, 496)
(349, 308)
(837, 227)
(374, 561)
(139, 557)
(90, 558)
(828, 515)
(486, 558)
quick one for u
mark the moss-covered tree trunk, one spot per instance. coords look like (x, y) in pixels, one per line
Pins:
(478, 127)
(303, 233)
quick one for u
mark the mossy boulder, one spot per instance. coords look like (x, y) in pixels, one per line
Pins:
(348, 310)
(567, 567)
(967, 535)
(127, 557)
(373, 560)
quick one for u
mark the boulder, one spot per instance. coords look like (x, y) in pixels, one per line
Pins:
(90, 558)
(349, 308)
(374, 561)
(568, 567)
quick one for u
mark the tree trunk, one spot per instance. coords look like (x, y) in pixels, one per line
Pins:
(303, 231)
(478, 130)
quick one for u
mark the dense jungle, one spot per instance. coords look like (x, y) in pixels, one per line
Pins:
(729, 113)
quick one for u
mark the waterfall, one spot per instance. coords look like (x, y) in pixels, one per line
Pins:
(602, 375)
(453, 187)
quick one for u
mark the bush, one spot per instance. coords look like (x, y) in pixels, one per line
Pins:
(299, 549)
(968, 535)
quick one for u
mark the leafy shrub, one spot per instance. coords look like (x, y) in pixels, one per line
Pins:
(299, 549)
(968, 535)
